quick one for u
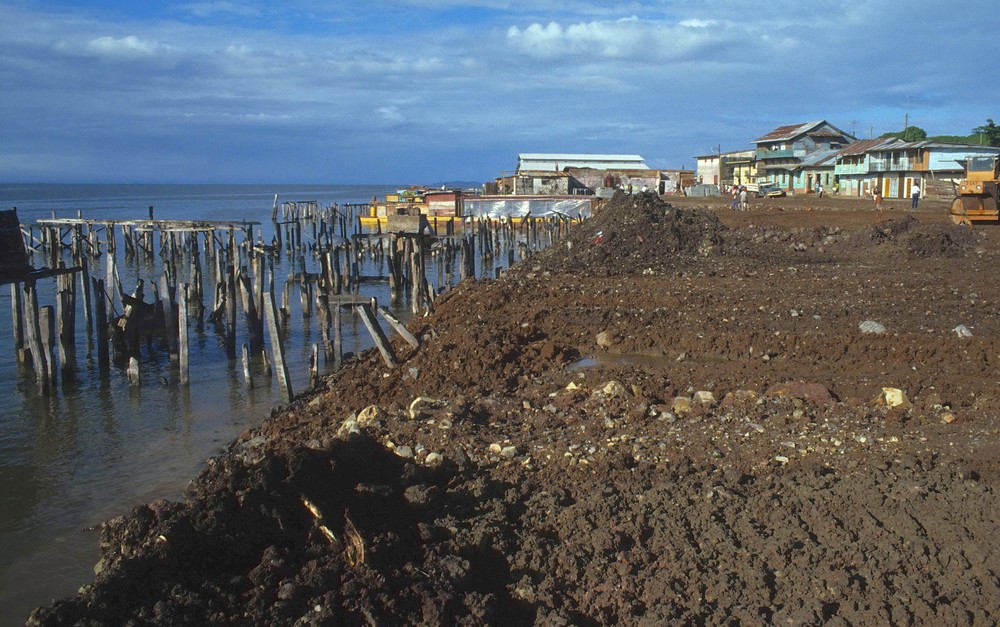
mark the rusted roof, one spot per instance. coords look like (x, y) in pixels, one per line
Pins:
(862, 146)
(787, 132)
(792, 131)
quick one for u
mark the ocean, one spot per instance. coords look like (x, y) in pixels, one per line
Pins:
(93, 451)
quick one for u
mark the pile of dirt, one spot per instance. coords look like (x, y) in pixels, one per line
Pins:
(635, 234)
(584, 442)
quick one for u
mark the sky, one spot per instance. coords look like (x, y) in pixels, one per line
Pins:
(423, 91)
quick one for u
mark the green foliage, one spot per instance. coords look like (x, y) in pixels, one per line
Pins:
(988, 133)
(909, 134)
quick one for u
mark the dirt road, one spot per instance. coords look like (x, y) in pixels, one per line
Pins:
(786, 416)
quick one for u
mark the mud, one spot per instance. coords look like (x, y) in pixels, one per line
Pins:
(673, 416)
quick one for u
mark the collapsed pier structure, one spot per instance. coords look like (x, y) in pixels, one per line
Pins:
(212, 273)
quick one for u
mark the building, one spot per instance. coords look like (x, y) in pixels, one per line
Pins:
(785, 156)
(894, 166)
(557, 162)
(736, 167)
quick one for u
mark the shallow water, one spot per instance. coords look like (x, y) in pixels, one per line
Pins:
(93, 451)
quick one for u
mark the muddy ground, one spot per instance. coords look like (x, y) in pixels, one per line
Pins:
(691, 421)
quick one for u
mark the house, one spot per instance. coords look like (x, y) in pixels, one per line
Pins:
(736, 167)
(894, 166)
(709, 169)
(783, 155)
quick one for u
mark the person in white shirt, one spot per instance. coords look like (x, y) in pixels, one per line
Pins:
(915, 190)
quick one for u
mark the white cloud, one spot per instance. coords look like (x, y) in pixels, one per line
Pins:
(130, 46)
(624, 38)
(390, 114)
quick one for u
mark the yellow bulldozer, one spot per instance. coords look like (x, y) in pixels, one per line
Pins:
(977, 200)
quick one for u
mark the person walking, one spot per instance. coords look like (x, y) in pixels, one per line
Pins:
(877, 198)
(744, 205)
(915, 190)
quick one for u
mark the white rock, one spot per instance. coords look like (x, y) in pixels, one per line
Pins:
(495, 448)
(704, 397)
(870, 326)
(403, 451)
(433, 459)
(962, 331)
(508, 452)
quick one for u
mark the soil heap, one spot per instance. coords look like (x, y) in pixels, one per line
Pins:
(662, 419)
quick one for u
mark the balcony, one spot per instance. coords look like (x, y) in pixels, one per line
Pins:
(775, 154)
(851, 168)
(893, 165)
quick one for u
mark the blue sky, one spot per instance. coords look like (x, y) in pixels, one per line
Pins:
(421, 91)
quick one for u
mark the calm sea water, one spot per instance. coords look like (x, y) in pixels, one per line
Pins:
(82, 455)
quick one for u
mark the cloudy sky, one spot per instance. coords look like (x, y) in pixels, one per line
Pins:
(421, 91)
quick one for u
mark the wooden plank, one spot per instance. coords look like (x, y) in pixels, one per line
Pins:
(381, 341)
(398, 327)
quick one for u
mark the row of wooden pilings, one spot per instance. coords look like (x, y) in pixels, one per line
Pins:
(243, 275)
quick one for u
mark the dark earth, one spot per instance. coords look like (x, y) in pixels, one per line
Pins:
(690, 421)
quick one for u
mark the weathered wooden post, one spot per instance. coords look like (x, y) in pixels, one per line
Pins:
(17, 314)
(247, 377)
(231, 271)
(34, 332)
(169, 317)
(66, 321)
(314, 367)
(47, 326)
(101, 324)
(88, 317)
(182, 332)
(278, 348)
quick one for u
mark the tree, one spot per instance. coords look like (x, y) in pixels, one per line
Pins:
(909, 134)
(989, 133)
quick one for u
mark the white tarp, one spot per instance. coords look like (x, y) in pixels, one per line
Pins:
(519, 207)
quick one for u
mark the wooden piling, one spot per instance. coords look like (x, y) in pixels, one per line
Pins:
(314, 367)
(17, 314)
(47, 327)
(169, 317)
(34, 336)
(182, 333)
(278, 348)
(101, 324)
(247, 377)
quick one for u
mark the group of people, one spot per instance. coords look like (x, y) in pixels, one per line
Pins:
(740, 198)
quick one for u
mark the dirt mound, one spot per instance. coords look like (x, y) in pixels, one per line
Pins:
(583, 442)
(635, 234)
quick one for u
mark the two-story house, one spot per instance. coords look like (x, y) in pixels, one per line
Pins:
(797, 157)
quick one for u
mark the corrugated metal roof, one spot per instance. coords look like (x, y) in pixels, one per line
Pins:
(794, 130)
(819, 158)
(862, 146)
(552, 162)
(787, 132)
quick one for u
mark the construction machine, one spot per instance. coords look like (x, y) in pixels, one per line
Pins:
(977, 200)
